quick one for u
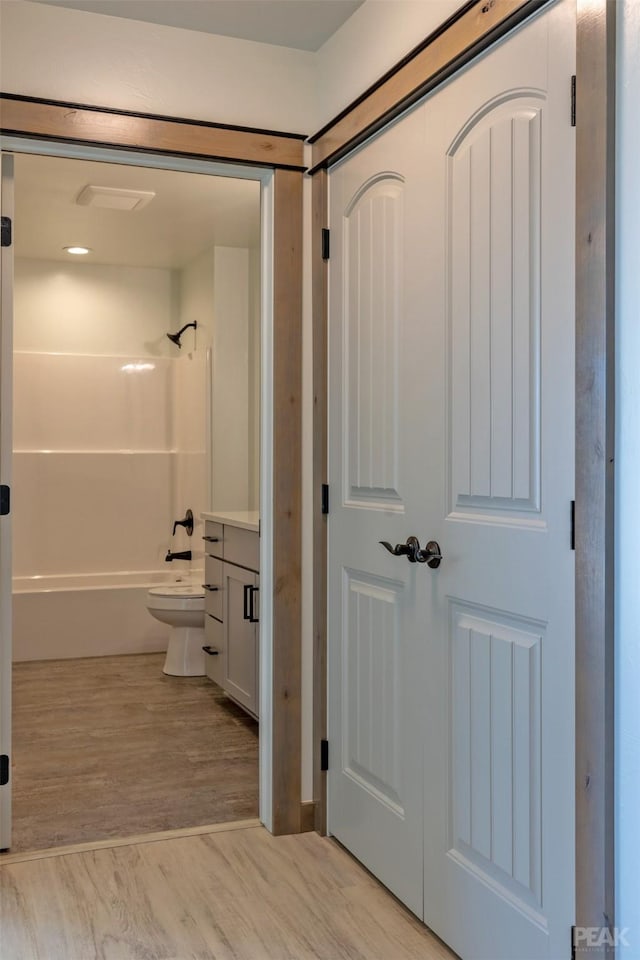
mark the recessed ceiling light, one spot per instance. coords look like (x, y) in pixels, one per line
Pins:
(77, 251)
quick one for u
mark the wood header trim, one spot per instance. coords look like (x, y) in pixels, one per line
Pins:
(105, 127)
(473, 28)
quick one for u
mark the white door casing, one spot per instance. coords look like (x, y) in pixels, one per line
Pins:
(490, 665)
(6, 415)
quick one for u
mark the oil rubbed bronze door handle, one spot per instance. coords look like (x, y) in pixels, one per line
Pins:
(431, 554)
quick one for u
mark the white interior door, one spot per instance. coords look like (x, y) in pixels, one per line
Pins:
(464, 673)
(6, 415)
(376, 659)
(499, 835)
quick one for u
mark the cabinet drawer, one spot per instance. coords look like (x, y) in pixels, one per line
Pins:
(214, 662)
(213, 538)
(213, 578)
(242, 546)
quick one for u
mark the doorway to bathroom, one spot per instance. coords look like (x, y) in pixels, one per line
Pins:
(137, 417)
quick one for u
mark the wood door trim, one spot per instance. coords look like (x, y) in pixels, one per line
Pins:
(307, 816)
(287, 503)
(28, 118)
(473, 28)
(105, 127)
(595, 391)
(595, 433)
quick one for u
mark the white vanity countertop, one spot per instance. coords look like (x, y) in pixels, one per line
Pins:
(246, 519)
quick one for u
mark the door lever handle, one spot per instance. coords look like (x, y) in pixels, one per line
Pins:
(430, 554)
(400, 549)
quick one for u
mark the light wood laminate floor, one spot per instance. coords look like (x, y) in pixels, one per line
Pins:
(231, 895)
(110, 747)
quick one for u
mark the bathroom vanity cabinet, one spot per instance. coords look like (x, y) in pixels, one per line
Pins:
(232, 590)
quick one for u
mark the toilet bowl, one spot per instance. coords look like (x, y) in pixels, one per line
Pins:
(182, 607)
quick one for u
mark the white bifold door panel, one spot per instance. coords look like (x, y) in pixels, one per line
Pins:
(6, 415)
(451, 419)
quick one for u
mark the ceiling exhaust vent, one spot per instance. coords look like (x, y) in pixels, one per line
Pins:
(114, 198)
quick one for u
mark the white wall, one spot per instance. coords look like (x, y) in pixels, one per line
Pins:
(254, 377)
(65, 54)
(371, 41)
(190, 399)
(628, 480)
(233, 468)
(89, 58)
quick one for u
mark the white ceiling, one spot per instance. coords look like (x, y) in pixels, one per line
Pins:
(189, 214)
(301, 24)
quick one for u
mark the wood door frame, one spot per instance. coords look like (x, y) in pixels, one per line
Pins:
(102, 127)
(473, 29)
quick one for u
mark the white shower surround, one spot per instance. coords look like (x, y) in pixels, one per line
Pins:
(99, 458)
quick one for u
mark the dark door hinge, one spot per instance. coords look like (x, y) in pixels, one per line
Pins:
(324, 754)
(573, 943)
(5, 500)
(325, 498)
(5, 232)
(573, 100)
(573, 524)
(325, 243)
(4, 770)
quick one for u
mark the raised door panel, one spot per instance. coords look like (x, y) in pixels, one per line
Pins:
(372, 298)
(494, 215)
(372, 734)
(495, 815)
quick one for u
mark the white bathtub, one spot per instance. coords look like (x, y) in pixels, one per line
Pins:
(88, 615)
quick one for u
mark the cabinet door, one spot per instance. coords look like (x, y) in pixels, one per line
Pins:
(241, 672)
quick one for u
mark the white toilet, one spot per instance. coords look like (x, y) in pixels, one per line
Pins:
(182, 607)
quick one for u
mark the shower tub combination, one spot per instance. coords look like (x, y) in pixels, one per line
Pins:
(102, 465)
(88, 615)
